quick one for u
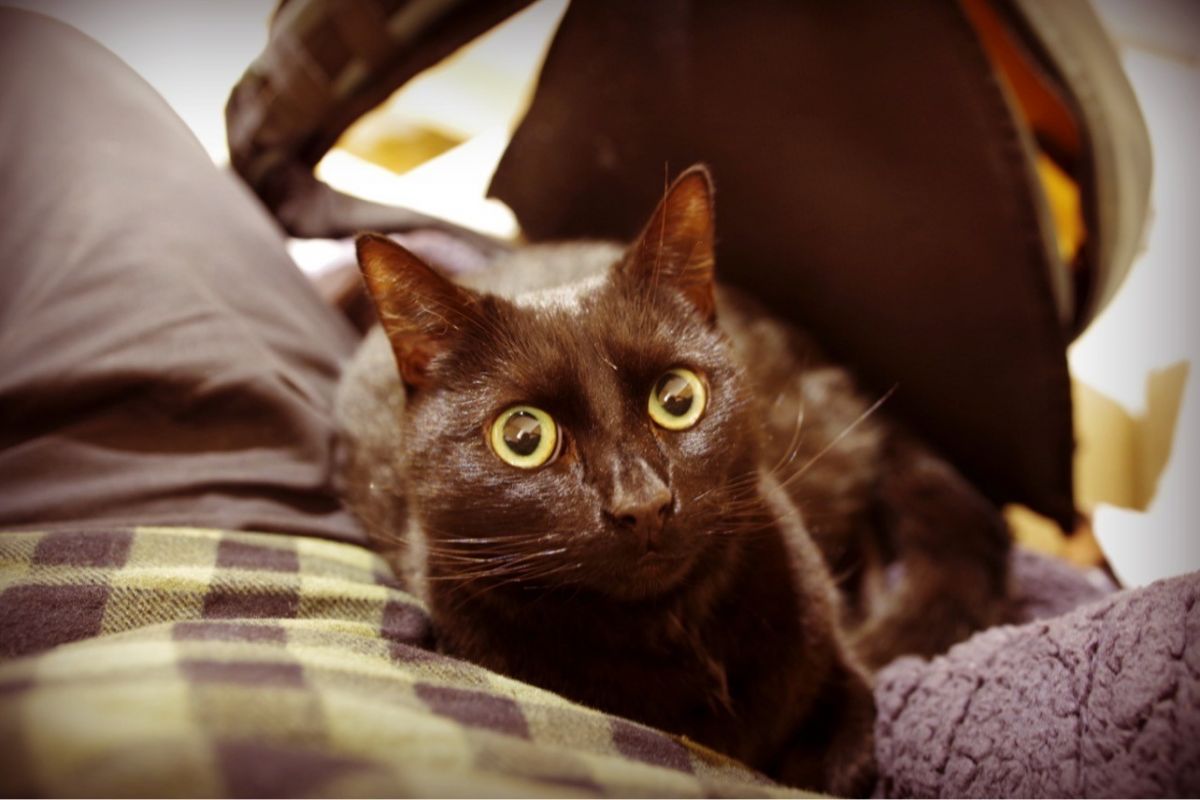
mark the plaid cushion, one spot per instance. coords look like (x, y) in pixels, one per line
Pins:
(180, 661)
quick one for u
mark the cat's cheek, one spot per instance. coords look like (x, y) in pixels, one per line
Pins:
(691, 447)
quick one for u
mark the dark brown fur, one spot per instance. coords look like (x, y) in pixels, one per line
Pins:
(718, 619)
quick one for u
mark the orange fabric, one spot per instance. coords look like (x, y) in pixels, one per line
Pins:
(1045, 114)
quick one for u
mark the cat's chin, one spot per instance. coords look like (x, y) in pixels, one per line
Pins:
(649, 576)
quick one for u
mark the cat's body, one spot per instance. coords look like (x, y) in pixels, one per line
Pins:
(674, 576)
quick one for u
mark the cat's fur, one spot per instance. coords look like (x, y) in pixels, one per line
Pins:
(731, 632)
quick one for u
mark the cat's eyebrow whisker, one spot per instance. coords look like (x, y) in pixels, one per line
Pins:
(604, 357)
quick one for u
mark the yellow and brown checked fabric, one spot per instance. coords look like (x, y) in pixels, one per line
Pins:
(181, 661)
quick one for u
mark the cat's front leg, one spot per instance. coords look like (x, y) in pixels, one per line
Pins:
(833, 749)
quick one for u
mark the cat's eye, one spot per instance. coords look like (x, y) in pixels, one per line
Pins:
(525, 437)
(677, 399)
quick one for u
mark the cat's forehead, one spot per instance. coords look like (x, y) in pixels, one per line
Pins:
(572, 334)
(566, 299)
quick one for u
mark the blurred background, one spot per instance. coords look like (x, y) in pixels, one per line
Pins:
(434, 145)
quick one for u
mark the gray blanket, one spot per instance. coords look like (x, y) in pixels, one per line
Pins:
(1100, 701)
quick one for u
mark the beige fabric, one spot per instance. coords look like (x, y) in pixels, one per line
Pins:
(1116, 134)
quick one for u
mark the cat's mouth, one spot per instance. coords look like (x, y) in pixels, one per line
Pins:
(652, 573)
(654, 564)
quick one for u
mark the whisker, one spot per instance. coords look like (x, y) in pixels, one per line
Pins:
(845, 432)
(793, 448)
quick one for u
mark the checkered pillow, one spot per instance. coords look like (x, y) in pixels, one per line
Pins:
(171, 661)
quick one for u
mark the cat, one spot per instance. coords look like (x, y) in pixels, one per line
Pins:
(610, 477)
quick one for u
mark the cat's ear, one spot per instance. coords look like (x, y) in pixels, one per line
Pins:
(676, 247)
(420, 311)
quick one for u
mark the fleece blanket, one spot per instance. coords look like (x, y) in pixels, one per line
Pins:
(1103, 701)
(177, 661)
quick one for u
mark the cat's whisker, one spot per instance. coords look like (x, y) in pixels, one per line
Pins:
(514, 537)
(485, 549)
(502, 561)
(793, 449)
(533, 577)
(844, 433)
(510, 559)
(529, 577)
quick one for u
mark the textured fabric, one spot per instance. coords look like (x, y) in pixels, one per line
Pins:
(170, 661)
(1101, 702)
(176, 661)
(326, 64)
(1044, 587)
(1072, 39)
(873, 185)
(887, 208)
(162, 360)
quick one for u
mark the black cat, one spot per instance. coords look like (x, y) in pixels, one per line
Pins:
(608, 477)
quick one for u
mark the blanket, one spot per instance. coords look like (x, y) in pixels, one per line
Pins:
(175, 661)
(1103, 701)
(180, 661)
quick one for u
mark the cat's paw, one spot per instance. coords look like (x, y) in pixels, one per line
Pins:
(934, 608)
(833, 751)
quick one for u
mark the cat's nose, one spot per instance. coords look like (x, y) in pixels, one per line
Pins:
(642, 513)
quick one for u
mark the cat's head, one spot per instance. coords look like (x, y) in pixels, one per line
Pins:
(602, 439)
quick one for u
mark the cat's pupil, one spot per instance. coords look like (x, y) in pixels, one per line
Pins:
(522, 433)
(675, 394)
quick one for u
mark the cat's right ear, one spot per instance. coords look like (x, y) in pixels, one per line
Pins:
(675, 249)
(420, 311)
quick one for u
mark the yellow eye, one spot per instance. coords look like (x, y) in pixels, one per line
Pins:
(678, 399)
(525, 437)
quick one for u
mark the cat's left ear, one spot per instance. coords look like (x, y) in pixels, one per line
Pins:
(675, 250)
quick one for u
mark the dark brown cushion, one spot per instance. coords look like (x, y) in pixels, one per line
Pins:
(161, 358)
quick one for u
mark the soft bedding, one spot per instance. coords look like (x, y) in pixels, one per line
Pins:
(190, 662)
(182, 661)
(1103, 701)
